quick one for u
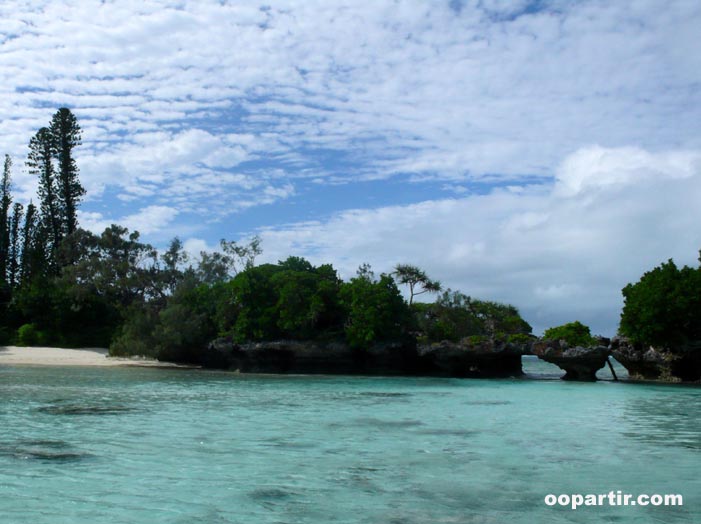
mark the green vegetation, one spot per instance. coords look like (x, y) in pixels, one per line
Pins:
(29, 335)
(455, 316)
(413, 277)
(375, 309)
(291, 299)
(62, 285)
(664, 307)
(574, 333)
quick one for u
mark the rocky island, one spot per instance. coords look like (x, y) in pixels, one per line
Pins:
(681, 364)
(464, 359)
(578, 362)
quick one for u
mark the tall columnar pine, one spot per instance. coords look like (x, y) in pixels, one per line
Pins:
(13, 258)
(5, 202)
(39, 162)
(31, 257)
(66, 135)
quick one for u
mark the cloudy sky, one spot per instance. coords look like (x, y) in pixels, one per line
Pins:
(541, 153)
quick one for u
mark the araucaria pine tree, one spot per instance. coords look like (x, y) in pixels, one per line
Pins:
(40, 163)
(31, 258)
(13, 259)
(5, 202)
(66, 135)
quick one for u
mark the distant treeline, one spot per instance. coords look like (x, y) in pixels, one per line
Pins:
(62, 285)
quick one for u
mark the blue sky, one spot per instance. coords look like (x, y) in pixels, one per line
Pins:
(538, 153)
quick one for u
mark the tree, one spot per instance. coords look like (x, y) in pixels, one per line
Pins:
(307, 299)
(114, 281)
(39, 162)
(454, 316)
(59, 190)
(220, 266)
(13, 259)
(291, 299)
(375, 310)
(413, 276)
(574, 333)
(497, 318)
(212, 267)
(251, 305)
(242, 256)
(31, 257)
(186, 325)
(664, 307)
(5, 202)
(66, 135)
(174, 260)
(115, 266)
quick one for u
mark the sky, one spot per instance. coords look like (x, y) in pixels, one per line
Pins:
(539, 153)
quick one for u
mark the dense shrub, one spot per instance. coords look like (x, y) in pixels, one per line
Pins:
(455, 316)
(375, 310)
(519, 338)
(186, 325)
(291, 299)
(30, 335)
(135, 335)
(177, 333)
(664, 307)
(574, 333)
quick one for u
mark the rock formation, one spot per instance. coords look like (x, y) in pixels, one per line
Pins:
(311, 357)
(579, 363)
(484, 359)
(650, 363)
(481, 359)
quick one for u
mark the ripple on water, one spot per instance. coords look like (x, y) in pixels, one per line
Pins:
(488, 402)
(286, 443)
(449, 432)
(386, 424)
(82, 409)
(42, 450)
(668, 420)
(274, 497)
(384, 394)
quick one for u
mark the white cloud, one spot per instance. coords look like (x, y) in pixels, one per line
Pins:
(429, 89)
(557, 256)
(595, 168)
(194, 246)
(148, 220)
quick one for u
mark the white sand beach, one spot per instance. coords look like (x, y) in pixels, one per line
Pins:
(45, 356)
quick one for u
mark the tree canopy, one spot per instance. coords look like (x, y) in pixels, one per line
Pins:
(455, 316)
(664, 307)
(574, 333)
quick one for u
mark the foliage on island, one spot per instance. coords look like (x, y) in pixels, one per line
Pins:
(455, 316)
(574, 333)
(663, 308)
(63, 285)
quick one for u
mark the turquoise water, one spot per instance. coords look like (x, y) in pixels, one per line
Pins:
(114, 445)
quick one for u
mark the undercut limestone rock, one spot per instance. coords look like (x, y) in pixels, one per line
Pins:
(579, 363)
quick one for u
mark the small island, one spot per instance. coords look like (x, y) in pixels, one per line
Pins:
(61, 285)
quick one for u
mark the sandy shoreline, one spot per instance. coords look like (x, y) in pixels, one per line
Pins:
(43, 356)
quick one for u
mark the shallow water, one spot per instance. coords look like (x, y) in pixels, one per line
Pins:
(113, 445)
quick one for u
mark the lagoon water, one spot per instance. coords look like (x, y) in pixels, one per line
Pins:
(115, 445)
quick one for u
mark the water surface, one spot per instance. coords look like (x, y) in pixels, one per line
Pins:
(114, 445)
